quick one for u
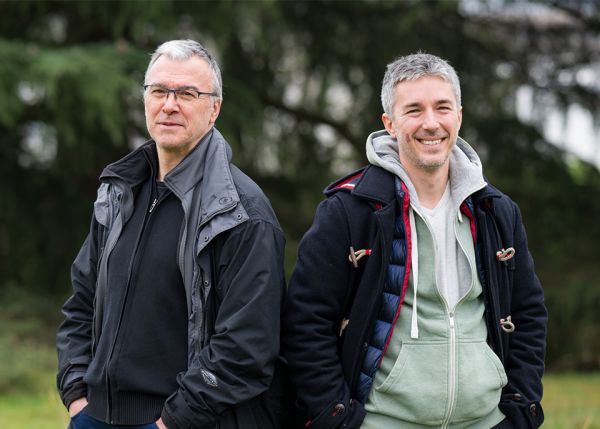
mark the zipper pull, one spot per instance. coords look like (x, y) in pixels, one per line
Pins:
(153, 205)
(451, 318)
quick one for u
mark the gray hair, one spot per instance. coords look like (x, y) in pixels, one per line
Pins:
(184, 50)
(413, 67)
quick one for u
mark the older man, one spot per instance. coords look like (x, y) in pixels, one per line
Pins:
(174, 318)
(414, 303)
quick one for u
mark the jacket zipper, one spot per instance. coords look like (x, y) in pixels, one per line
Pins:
(153, 205)
(129, 277)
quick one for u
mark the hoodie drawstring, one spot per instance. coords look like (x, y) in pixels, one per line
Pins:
(414, 325)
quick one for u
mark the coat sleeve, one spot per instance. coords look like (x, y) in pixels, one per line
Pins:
(311, 322)
(74, 337)
(238, 362)
(527, 344)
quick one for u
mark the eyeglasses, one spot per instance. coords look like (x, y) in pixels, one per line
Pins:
(184, 94)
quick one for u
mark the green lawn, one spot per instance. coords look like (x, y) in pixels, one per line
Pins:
(571, 401)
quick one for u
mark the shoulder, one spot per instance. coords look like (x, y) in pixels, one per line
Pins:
(346, 183)
(252, 198)
(370, 186)
(505, 211)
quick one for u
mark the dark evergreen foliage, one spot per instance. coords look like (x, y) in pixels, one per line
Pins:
(301, 88)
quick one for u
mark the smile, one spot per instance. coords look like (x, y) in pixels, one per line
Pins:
(430, 142)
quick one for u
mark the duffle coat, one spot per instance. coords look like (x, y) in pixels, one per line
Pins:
(332, 306)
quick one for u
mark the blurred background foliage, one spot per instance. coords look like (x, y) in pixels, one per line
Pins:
(301, 93)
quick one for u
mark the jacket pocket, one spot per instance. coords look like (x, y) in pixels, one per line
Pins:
(480, 379)
(416, 389)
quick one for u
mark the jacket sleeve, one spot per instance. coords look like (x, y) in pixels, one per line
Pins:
(238, 362)
(74, 337)
(311, 322)
(527, 344)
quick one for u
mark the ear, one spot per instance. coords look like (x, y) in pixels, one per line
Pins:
(388, 124)
(216, 110)
(460, 110)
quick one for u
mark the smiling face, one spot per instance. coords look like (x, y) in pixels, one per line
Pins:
(426, 119)
(177, 126)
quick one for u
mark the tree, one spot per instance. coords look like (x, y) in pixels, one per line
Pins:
(301, 87)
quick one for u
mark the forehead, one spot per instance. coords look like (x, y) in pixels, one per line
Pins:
(193, 71)
(424, 90)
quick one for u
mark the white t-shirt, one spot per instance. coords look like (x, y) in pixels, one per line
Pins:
(448, 259)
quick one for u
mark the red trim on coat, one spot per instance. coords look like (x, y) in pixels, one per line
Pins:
(346, 183)
(408, 264)
(464, 208)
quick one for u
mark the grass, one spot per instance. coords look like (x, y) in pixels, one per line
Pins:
(571, 401)
(28, 397)
(37, 411)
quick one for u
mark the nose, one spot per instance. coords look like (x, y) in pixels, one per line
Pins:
(170, 105)
(430, 120)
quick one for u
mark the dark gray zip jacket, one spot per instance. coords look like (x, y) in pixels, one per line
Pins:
(230, 255)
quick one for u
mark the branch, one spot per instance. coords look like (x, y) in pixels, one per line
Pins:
(303, 114)
(591, 21)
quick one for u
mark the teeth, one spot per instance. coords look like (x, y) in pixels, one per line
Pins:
(431, 142)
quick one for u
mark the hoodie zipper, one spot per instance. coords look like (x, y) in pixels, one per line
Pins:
(452, 372)
(453, 355)
(452, 358)
(452, 327)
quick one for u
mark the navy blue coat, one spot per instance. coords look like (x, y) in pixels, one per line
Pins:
(325, 289)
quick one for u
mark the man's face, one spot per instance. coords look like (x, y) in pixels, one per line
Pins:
(425, 123)
(176, 125)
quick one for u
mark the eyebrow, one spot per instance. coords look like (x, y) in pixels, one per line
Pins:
(417, 104)
(178, 87)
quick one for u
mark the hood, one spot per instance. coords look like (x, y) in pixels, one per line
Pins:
(466, 175)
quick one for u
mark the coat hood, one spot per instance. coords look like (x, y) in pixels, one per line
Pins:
(466, 175)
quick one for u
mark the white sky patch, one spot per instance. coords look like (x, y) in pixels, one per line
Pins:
(39, 144)
(572, 130)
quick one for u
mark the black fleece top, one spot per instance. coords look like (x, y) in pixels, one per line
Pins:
(144, 334)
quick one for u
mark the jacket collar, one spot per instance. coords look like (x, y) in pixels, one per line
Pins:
(487, 192)
(208, 163)
(218, 191)
(376, 184)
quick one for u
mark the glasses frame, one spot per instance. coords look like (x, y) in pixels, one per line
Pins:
(182, 88)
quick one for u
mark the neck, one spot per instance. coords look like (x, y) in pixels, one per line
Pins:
(168, 160)
(430, 185)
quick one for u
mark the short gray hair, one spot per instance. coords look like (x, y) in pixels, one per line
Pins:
(413, 67)
(184, 50)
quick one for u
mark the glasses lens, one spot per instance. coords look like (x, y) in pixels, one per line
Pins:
(157, 91)
(185, 95)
